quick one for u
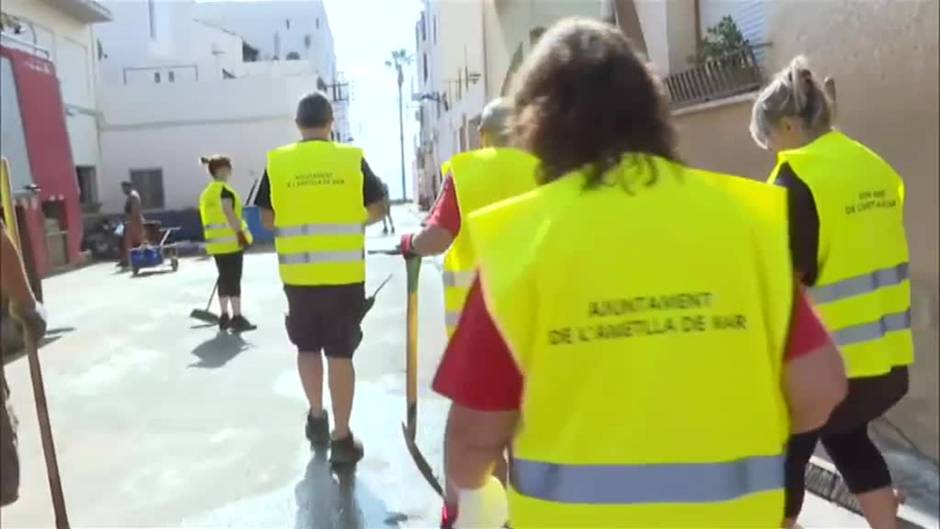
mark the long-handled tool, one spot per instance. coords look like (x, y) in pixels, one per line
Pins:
(410, 427)
(35, 371)
(207, 315)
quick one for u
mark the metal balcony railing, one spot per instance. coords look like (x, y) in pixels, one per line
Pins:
(732, 74)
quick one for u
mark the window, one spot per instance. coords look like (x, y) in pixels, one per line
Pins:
(318, 23)
(87, 185)
(156, 77)
(424, 28)
(308, 41)
(149, 183)
(425, 59)
(171, 76)
(435, 29)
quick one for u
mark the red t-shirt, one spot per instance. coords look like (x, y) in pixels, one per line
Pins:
(446, 213)
(478, 371)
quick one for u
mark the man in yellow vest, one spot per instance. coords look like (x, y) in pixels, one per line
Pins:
(473, 180)
(318, 196)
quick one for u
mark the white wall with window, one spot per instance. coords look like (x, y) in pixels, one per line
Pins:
(168, 127)
(179, 85)
(64, 29)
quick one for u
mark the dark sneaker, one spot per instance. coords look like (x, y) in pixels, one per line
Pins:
(318, 430)
(225, 321)
(346, 451)
(240, 324)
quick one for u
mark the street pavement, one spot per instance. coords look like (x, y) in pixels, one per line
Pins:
(162, 422)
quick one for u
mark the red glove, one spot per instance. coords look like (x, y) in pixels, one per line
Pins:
(242, 240)
(406, 245)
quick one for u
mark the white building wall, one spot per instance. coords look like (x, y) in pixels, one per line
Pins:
(170, 127)
(135, 50)
(71, 46)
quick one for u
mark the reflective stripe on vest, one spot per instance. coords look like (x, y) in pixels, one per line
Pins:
(319, 229)
(452, 318)
(858, 285)
(862, 291)
(320, 257)
(459, 279)
(866, 332)
(217, 227)
(654, 483)
(222, 240)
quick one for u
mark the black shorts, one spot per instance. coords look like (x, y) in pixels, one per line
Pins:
(325, 318)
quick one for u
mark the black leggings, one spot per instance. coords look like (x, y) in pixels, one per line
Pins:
(855, 456)
(230, 274)
(845, 438)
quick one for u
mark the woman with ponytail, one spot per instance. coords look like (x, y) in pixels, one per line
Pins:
(849, 250)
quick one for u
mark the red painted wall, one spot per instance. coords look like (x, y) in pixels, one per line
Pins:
(49, 153)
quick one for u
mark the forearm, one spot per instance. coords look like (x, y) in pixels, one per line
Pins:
(432, 240)
(233, 221)
(13, 279)
(475, 441)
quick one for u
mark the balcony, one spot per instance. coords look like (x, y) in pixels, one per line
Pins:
(85, 11)
(719, 78)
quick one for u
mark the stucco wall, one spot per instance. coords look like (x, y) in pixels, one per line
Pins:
(883, 55)
(716, 137)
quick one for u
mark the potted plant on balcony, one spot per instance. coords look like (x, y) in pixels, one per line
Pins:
(725, 58)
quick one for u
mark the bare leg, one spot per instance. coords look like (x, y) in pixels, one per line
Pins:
(223, 304)
(880, 507)
(342, 389)
(310, 366)
(236, 306)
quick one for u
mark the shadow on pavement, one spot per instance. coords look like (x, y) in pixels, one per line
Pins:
(148, 273)
(219, 350)
(328, 501)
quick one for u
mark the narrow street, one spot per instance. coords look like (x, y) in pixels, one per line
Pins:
(160, 421)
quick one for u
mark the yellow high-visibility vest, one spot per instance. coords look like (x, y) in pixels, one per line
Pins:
(649, 324)
(480, 178)
(319, 216)
(862, 291)
(220, 237)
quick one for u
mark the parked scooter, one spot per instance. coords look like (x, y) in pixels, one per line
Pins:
(103, 241)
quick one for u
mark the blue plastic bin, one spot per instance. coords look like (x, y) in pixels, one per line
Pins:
(146, 257)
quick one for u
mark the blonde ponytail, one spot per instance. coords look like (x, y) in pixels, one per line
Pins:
(794, 92)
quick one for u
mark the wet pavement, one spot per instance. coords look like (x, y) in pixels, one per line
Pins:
(161, 421)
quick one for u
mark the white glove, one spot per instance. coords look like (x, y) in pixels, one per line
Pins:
(482, 508)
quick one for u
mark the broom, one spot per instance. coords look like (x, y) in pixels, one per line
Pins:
(207, 315)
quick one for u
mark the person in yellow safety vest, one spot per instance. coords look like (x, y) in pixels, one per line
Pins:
(473, 180)
(318, 196)
(647, 308)
(850, 250)
(227, 235)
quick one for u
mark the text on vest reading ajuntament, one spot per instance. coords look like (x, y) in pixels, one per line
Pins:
(315, 179)
(648, 316)
(869, 200)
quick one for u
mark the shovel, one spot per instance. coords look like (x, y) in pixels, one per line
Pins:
(410, 427)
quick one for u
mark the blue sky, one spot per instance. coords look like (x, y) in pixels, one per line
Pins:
(365, 32)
